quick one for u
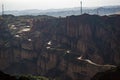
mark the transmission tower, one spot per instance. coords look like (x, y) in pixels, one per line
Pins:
(81, 7)
(97, 11)
(2, 9)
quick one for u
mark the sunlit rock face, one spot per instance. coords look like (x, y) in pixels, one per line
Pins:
(75, 47)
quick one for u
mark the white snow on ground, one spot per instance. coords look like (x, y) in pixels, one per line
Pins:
(47, 47)
(24, 30)
(68, 51)
(79, 58)
(89, 61)
(29, 39)
(17, 35)
(49, 43)
(13, 27)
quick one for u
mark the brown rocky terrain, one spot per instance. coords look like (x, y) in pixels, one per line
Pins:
(75, 47)
(112, 74)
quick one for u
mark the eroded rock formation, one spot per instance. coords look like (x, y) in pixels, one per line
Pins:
(75, 47)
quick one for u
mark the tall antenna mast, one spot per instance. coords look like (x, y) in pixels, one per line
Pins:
(2, 9)
(81, 7)
(97, 11)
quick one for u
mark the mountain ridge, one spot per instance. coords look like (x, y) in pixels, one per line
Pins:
(103, 10)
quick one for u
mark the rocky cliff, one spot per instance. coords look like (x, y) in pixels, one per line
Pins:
(75, 47)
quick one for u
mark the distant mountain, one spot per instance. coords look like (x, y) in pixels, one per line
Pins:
(105, 10)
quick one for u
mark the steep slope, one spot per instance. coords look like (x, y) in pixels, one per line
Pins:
(112, 74)
(75, 47)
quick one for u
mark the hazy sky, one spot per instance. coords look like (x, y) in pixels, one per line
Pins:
(53, 4)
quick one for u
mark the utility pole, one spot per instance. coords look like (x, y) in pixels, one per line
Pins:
(81, 7)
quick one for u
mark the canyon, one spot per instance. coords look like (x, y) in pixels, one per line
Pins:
(73, 47)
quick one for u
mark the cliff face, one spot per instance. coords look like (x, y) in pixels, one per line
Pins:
(75, 47)
(57, 64)
(95, 37)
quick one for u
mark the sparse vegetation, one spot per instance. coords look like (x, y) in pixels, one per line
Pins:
(4, 76)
